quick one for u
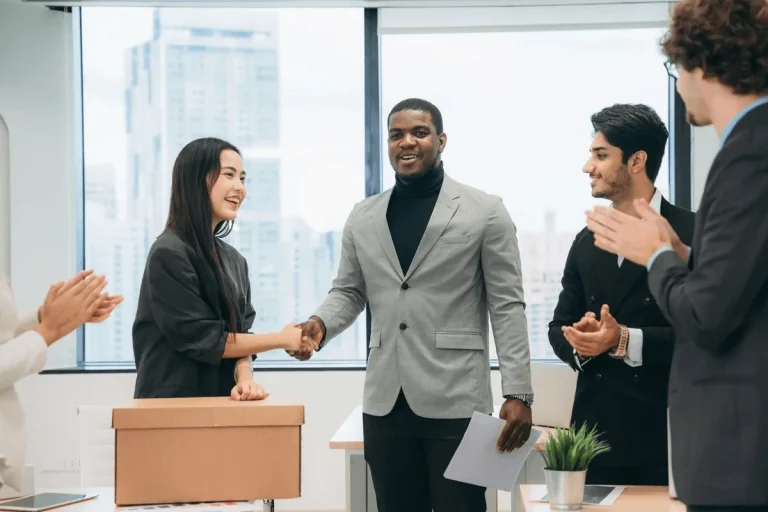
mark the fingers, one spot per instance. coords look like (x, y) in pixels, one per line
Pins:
(506, 433)
(245, 390)
(645, 210)
(235, 394)
(77, 278)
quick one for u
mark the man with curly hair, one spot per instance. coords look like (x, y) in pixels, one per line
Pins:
(716, 294)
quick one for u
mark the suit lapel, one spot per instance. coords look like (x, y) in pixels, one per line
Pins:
(616, 281)
(445, 208)
(379, 221)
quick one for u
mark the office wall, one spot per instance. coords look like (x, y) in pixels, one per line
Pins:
(36, 91)
(704, 146)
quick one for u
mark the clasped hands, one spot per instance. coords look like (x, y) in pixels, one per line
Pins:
(590, 337)
(312, 333)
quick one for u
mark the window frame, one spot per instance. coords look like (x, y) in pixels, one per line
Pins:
(679, 159)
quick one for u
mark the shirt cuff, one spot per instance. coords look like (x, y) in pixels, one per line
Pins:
(656, 255)
(634, 356)
(579, 362)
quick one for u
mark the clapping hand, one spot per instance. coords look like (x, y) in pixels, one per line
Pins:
(106, 303)
(591, 338)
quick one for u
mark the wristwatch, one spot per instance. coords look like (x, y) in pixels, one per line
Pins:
(526, 399)
(620, 351)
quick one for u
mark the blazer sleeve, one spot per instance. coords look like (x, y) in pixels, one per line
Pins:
(658, 345)
(182, 315)
(500, 261)
(570, 308)
(21, 356)
(347, 297)
(709, 302)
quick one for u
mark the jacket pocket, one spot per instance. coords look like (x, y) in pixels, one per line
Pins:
(459, 340)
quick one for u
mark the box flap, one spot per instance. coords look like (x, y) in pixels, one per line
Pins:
(204, 412)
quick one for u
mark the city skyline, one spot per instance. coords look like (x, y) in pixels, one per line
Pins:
(298, 120)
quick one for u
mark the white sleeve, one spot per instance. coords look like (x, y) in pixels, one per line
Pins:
(27, 321)
(634, 356)
(21, 356)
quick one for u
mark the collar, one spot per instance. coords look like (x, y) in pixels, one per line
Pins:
(655, 201)
(738, 117)
(427, 184)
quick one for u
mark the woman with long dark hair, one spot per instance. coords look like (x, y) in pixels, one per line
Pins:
(190, 336)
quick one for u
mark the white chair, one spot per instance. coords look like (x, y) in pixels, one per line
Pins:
(97, 446)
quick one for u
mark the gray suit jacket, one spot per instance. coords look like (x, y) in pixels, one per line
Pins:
(429, 332)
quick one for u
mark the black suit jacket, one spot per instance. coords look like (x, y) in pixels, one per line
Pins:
(628, 404)
(718, 304)
(179, 333)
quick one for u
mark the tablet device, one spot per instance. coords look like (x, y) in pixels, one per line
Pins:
(43, 501)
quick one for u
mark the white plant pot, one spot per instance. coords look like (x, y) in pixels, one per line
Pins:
(565, 489)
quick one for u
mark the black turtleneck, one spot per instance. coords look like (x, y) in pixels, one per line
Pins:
(410, 207)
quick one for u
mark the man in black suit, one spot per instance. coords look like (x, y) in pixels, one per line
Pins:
(623, 359)
(716, 294)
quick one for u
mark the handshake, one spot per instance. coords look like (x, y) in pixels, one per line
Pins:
(304, 338)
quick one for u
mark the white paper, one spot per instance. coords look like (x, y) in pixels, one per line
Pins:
(600, 495)
(477, 460)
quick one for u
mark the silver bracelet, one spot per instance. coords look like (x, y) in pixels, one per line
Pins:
(243, 364)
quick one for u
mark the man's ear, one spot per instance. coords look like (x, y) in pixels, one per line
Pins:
(443, 138)
(636, 163)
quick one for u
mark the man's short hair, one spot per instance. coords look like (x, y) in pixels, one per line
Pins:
(726, 39)
(634, 128)
(420, 105)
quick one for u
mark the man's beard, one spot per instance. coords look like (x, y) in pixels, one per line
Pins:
(616, 187)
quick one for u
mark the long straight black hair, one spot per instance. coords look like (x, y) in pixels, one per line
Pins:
(196, 169)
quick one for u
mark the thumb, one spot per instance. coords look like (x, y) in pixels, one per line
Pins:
(605, 314)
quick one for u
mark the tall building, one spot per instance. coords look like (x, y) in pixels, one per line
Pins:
(205, 73)
(543, 255)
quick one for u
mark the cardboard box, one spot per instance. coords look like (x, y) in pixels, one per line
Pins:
(184, 450)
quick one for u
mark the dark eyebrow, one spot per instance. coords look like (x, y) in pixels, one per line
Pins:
(230, 168)
(418, 127)
(598, 148)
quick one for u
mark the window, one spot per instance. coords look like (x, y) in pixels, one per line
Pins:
(277, 84)
(516, 107)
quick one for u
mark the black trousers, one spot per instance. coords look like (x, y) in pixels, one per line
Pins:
(651, 475)
(407, 456)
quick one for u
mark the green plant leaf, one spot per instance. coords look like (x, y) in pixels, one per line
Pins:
(573, 449)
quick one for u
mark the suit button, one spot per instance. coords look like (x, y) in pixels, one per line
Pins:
(636, 379)
(403, 327)
(647, 301)
(592, 299)
(598, 377)
(404, 286)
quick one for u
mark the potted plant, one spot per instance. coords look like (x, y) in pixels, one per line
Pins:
(567, 455)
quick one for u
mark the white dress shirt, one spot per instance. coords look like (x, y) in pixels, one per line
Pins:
(22, 352)
(634, 356)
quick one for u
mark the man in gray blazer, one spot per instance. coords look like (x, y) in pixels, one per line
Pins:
(432, 258)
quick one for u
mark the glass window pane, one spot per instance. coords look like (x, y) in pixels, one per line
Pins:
(516, 109)
(277, 84)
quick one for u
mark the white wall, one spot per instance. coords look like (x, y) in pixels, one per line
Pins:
(704, 146)
(36, 91)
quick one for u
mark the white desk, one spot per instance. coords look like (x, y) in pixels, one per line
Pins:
(360, 496)
(105, 501)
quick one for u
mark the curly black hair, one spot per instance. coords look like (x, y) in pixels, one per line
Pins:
(726, 39)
